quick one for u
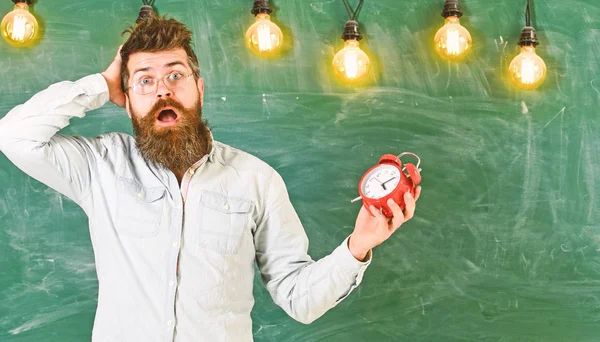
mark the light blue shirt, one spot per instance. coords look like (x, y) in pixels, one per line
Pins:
(175, 263)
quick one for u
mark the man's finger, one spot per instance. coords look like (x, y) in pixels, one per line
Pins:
(118, 56)
(374, 211)
(398, 218)
(417, 193)
(409, 211)
(377, 213)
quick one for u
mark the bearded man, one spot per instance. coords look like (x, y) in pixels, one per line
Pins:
(177, 219)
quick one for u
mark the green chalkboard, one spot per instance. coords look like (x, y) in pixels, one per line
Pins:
(505, 245)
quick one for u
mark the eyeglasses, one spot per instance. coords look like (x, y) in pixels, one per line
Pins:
(147, 85)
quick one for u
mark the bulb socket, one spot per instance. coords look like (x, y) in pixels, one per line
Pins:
(451, 9)
(146, 11)
(261, 6)
(351, 31)
(528, 37)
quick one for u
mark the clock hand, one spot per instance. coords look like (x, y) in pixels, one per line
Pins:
(383, 184)
(378, 181)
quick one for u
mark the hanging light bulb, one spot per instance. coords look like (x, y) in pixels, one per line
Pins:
(452, 41)
(263, 38)
(19, 27)
(527, 70)
(351, 63)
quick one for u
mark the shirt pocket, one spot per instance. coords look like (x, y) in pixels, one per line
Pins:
(223, 222)
(139, 209)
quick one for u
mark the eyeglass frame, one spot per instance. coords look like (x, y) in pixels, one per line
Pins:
(187, 76)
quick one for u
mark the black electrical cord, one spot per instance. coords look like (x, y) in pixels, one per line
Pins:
(351, 30)
(528, 36)
(528, 14)
(353, 16)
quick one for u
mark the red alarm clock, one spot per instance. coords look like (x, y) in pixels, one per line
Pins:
(388, 179)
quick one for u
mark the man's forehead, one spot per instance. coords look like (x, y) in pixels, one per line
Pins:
(156, 60)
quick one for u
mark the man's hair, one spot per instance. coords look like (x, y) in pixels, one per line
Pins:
(155, 34)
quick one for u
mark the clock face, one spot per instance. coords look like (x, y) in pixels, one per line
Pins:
(380, 181)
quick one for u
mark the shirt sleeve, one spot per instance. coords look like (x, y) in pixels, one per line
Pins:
(28, 135)
(304, 288)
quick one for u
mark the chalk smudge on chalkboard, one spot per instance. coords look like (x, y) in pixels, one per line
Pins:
(502, 44)
(524, 109)
(57, 313)
(3, 209)
(597, 238)
(560, 112)
(266, 105)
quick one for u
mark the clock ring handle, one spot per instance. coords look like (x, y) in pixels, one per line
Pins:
(410, 154)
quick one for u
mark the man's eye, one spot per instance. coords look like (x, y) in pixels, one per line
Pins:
(175, 75)
(146, 81)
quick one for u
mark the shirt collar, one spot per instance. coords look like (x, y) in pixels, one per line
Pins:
(211, 154)
(208, 157)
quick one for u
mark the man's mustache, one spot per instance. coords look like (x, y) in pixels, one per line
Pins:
(162, 103)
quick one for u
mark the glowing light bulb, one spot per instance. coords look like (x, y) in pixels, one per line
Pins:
(264, 38)
(452, 41)
(351, 63)
(19, 27)
(527, 70)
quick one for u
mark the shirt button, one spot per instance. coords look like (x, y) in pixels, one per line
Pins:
(175, 244)
(192, 172)
(139, 194)
(169, 322)
(226, 206)
(171, 283)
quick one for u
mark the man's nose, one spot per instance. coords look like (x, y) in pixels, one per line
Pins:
(162, 89)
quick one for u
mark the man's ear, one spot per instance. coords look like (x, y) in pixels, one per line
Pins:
(127, 105)
(201, 90)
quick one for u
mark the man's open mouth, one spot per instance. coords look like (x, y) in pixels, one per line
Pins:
(167, 117)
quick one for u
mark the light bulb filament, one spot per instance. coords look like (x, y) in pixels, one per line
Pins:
(18, 29)
(527, 71)
(351, 64)
(453, 42)
(264, 38)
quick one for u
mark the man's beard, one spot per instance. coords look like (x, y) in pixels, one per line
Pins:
(175, 147)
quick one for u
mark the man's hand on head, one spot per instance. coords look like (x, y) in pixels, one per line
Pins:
(112, 75)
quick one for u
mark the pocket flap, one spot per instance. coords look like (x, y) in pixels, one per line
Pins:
(225, 204)
(136, 189)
